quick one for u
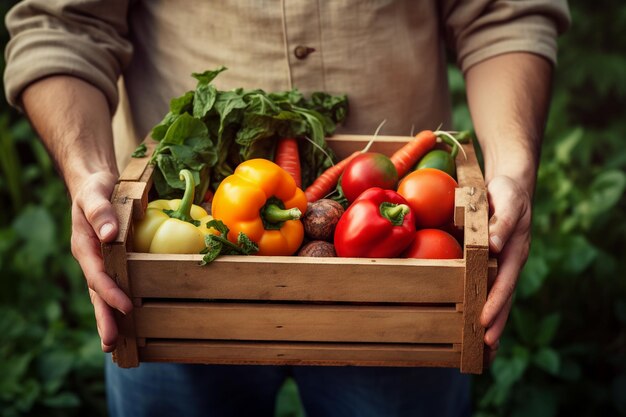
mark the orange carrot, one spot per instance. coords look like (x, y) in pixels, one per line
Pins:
(288, 158)
(326, 182)
(406, 157)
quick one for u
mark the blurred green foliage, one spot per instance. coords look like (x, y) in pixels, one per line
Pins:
(564, 348)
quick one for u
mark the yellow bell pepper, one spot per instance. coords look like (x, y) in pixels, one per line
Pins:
(262, 200)
(173, 226)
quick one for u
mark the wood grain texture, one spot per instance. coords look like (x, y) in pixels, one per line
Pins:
(298, 322)
(125, 353)
(137, 166)
(297, 278)
(294, 353)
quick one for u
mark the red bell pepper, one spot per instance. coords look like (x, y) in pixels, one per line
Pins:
(378, 224)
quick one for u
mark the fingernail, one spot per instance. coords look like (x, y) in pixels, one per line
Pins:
(105, 230)
(121, 311)
(496, 242)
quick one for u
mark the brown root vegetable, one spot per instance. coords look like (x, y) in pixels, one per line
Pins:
(321, 218)
(318, 249)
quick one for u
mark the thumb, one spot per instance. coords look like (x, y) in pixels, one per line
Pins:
(508, 205)
(99, 211)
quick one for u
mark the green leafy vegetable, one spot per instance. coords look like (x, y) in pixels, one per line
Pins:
(210, 132)
(217, 245)
(140, 152)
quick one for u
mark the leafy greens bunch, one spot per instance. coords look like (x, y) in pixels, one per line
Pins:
(210, 132)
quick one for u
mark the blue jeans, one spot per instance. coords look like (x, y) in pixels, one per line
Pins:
(163, 389)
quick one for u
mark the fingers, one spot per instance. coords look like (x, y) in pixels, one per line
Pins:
(105, 322)
(508, 204)
(509, 236)
(86, 250)
(98, 210)
(94, 221)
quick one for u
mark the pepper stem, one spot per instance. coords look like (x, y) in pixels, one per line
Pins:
(183, 212)
(394, 212)
(274, 214)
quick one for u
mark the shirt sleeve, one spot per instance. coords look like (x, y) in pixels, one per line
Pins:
(480, 29)
(81, 38)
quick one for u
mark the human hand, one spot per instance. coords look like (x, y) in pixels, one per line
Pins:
(93, 222)
(509, 238)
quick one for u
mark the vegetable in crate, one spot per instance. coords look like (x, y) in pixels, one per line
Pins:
(210, 131)
(440, 159)
(261, 200)
(430, 193)
(321, 219)
(318, 249)
(378, 224)
(367, 170)
(173, 226)
(433, 244)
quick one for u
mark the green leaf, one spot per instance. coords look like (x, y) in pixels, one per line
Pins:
(29, 392)
(533, 276)
(140, 151)
(12, 372)
(62, 400)
(53, 368)
(207, 76)
(159, 131)
(547, 329)
(607, 189)
(247, 246)
(220, 245)
(37, 228)
(525, 323)
(185, 127)
(548, 360)
(578, 254)
(182, 104)
(204, 100)
(507, 371)
(565, 147)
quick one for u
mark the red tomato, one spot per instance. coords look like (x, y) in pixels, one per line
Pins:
(430, 193)
(433, 244)
(368, 170)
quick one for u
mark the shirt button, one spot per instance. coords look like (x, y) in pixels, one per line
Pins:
(301, 51)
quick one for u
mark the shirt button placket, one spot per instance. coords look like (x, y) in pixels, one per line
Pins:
(303, 40)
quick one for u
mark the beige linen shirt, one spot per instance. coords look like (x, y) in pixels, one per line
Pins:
(388, 56)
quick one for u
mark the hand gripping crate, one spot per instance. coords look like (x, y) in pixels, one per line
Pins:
(298, 310)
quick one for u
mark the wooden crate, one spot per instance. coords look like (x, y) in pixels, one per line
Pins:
(304, 311)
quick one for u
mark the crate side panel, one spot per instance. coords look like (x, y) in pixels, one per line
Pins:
(292, 278)
(136, 167)
(298, 322)
(286, 353)
(468, 171)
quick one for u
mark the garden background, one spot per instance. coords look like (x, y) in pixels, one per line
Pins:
(564, 349)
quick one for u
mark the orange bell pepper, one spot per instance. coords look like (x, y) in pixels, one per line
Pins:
(262, 200)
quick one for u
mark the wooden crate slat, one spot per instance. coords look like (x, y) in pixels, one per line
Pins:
(297, 278)
(468, 171)
(136, 167)
(476, 275)
(314, 323)
(275, 353)
(125, 353)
